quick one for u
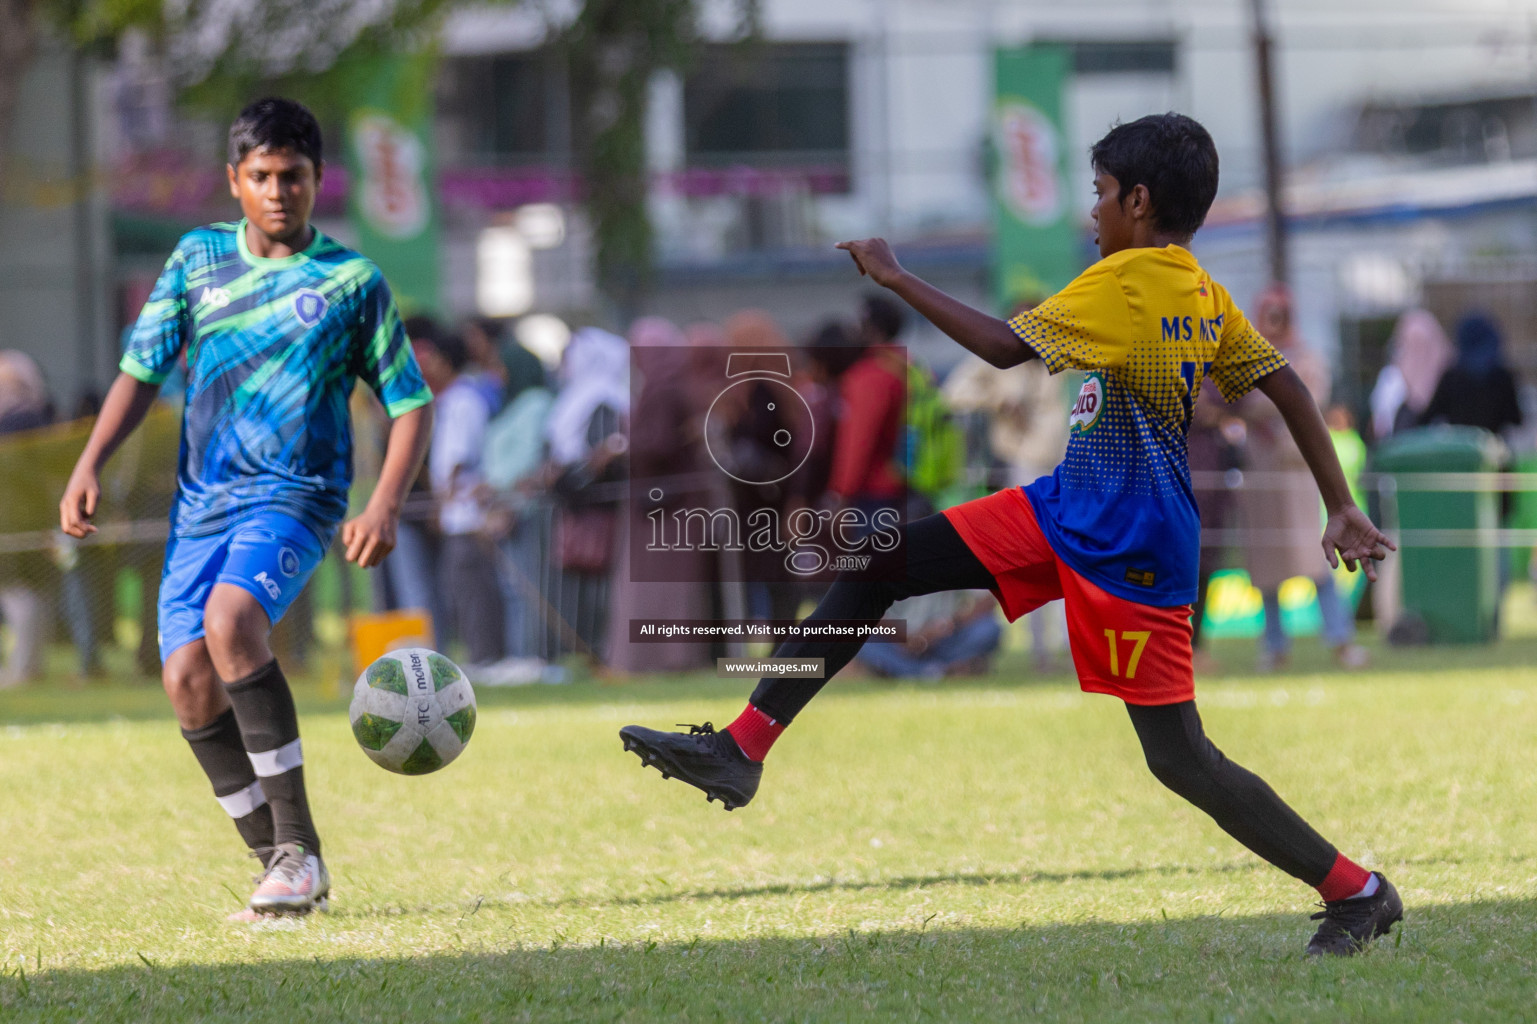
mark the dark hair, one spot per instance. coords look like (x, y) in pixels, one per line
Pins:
(422, 328)
(1173, 156)
(884, 314)
(1480, 348)
(450, 346)
(835, 346)
(274, 123)
(492, 327)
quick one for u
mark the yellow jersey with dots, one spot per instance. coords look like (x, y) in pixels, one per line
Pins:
(1147, 327)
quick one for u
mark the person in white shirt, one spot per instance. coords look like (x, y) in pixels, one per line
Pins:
(471, 591)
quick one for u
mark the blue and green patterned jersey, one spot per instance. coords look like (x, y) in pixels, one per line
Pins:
(272, 349)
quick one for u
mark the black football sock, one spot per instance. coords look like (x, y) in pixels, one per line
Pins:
(218, 749)
(1241, 803)
(932, 557)
(269, 728)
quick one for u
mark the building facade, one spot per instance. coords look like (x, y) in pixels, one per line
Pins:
(1407, 126)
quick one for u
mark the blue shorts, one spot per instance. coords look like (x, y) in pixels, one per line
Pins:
(270, 555)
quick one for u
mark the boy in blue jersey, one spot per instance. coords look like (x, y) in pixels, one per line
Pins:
(1114, 531)
(275, 321)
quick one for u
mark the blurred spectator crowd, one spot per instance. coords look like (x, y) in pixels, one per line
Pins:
(517, 533)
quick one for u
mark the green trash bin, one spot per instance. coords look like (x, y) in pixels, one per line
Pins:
(1523, 516)
(1455, 590)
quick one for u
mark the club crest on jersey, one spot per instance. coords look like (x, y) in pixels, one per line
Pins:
(1089, 405)
(288, 562)
(310, 306)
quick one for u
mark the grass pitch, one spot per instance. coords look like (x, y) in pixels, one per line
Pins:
(986, 850)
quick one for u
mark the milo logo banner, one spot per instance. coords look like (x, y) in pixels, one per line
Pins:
(392, 195)
(1035, 238)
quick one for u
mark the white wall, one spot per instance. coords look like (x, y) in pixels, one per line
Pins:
(921, 86)
(922, 79)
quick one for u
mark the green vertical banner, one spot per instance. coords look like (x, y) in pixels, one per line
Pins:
(392, 196)
(1035, 235)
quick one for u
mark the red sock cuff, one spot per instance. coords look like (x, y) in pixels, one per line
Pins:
(755, 733)
(1344, 880)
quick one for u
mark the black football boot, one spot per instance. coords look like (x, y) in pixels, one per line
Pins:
(1349, 925)
(701, 757)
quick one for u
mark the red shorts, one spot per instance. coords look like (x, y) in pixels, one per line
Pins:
(1136, 652)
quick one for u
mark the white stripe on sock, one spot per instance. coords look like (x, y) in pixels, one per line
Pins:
(243, 802)
(275, 762)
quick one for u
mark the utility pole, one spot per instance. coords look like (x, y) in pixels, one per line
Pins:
(1275, 224)
(83, 226)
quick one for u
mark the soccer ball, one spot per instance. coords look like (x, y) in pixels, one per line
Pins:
(412, 711)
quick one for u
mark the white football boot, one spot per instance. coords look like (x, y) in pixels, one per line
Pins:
(296, 882)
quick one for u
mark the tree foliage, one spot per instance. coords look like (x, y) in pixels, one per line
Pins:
(216, 50)
(263, 38)
(221, 52)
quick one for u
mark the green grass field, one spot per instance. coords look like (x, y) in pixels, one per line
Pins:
(985, 850)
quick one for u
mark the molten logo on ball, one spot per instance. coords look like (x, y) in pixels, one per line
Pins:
(412, 711)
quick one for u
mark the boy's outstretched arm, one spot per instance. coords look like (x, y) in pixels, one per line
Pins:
(128, 399)
(989, 337)
(1349, 534)
(370, 535)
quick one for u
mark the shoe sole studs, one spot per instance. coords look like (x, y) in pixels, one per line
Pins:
(648, 759)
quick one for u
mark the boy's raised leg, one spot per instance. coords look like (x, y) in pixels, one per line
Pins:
(728, 765)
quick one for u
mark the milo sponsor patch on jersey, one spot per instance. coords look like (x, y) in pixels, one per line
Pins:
(1090, 403)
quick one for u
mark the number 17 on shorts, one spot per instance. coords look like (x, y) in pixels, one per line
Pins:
(1137, 652)
(1138, 639)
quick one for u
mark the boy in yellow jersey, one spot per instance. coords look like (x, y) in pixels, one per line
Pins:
(1114, 531)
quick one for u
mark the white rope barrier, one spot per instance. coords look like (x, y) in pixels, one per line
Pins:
(1390, 486)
